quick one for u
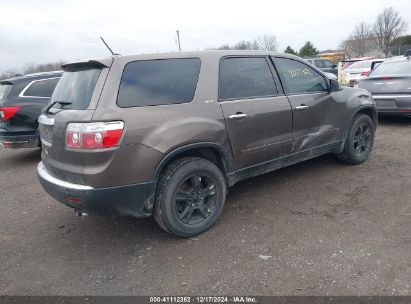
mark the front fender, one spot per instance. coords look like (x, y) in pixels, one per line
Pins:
(358, 101)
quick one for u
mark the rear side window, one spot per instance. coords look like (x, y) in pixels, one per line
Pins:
(41, 88)
(4, 92)
(10, 91)
(158, 82)
(76, 87)
(299, 78)
(245, 78)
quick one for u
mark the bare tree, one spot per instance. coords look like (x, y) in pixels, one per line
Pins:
(8, 74)
(243, 45)
(267, 43)
(44, 67)
(388, 26)
(361, 41)
(345, 46)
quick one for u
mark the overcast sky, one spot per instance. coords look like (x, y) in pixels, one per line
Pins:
(46, 31)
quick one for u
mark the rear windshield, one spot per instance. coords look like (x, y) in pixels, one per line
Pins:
(4, 92)
(158, 82)
(393, 68)
(76, 87)
(360, 65)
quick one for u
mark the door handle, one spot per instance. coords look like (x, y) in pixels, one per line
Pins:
(301, 107)
(238, 116)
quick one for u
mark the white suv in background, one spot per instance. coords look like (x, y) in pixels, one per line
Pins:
(359, 70)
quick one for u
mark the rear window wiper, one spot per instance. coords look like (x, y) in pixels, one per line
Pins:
(63, 103)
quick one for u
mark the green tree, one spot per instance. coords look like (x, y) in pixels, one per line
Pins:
(308, 50)
(290, 50)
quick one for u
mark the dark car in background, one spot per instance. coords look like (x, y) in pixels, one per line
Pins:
(21, 102)
(390, 85)
(324, 65)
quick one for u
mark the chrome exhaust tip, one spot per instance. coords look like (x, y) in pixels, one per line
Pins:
(81, 214)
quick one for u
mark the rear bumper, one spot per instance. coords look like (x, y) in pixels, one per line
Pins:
(393, 105)
(131, 200)
(19, 141)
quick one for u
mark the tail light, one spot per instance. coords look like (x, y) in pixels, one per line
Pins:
(95, 135)
(8, 112)
(365, 73)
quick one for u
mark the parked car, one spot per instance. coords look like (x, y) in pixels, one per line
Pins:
(390, 85)
(21, 100)
(324, 65)
(167, 134)
(359, 70)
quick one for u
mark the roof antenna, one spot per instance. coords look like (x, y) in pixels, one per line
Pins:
(108, 47)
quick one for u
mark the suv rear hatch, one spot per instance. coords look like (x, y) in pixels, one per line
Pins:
(74, 101)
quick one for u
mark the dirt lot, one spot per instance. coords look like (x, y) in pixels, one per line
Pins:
(315, 228)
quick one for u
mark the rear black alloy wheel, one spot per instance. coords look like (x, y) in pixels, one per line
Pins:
(195, 198)
(359, 141)
(190, 196)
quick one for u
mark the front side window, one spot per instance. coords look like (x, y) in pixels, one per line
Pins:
(299, 78)
(41, 88)
(245, 78)
(76, 87)
(158, 82)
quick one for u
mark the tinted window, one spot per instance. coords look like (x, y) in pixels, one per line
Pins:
(41, 88)
(328, 64)
(299, 78)
(319, 64)
(76, 87)
(245, 78)
(4, 92)
(9, 92)
(402, 67)
(158, 82)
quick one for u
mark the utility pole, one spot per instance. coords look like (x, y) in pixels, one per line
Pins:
(178, 40)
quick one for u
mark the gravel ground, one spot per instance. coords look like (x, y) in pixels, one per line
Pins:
(315, 228)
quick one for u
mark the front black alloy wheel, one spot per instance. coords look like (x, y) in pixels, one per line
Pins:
(362, 139)
(359, 141)
(190, 196)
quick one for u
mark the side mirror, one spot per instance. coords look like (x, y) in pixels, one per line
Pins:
(334, 85)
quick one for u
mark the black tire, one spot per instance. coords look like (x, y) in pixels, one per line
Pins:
(359, 142)
(190, 196)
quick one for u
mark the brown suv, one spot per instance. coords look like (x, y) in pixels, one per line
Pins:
(167, 134)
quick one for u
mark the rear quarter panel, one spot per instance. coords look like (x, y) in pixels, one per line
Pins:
(151, 132)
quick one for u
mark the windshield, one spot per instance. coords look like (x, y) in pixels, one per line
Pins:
(4, 92)
(76, 87)
(392, 68)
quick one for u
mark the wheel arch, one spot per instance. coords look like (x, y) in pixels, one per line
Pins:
(367, 110)
(208, 150)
